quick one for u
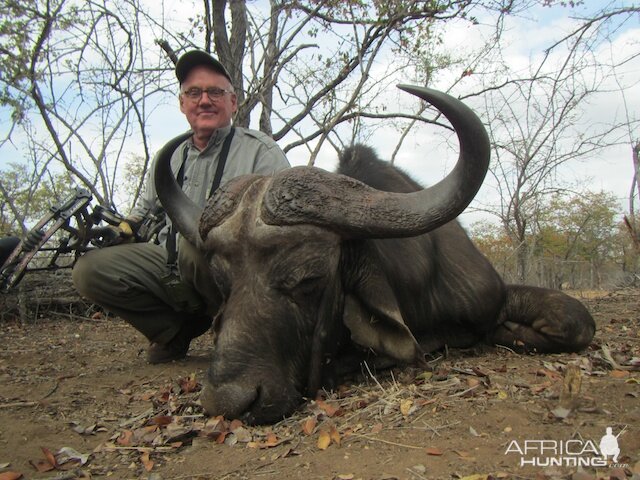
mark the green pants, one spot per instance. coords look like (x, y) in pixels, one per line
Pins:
(128, 281)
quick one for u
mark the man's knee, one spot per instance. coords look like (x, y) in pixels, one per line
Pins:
(89, 273)
(82, 274)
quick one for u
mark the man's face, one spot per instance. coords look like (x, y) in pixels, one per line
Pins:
(203, 114)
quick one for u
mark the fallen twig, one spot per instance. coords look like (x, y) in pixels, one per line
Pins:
(19, 404)
(374, 439)
(374, 378)
(147, 413)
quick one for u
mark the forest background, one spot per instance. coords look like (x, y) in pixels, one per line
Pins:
(88, 95)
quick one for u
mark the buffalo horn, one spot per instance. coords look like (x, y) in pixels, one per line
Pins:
(314, 196)
(183, 212)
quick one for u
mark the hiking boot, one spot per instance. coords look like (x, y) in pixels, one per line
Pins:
(176, 349)
(178, 346)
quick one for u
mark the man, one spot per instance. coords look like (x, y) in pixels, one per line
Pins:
(136, 280)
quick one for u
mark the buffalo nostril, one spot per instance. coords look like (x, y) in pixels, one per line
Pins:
(232, 400)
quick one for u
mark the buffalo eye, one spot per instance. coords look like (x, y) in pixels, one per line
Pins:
(304, 280)
(308, 284)
(299, 285)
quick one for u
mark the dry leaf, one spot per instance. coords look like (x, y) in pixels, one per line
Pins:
(377, 428)
(324, 440)
(124, 439)
(405, 407)
(235, 424)
(561, 412)
(68, 454)
(335, 436)
(242, 434)
(175, 432)
(547, 372)
(329, 409)
(434, 451)
(47, 464)
(463, 454)
(472, 382)
(539, 387)
(220, 438)
(619, 373)
(309, 425)
(146, 461)
(161, 420)
(10, 476)
(49, 456)
(189, 384)
(231, 439)
(271, 440)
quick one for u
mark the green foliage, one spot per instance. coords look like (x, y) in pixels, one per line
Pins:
(495, 244)
(24, 28)
(30, 197)
(580, 227)
(575, 240)
(16, 34)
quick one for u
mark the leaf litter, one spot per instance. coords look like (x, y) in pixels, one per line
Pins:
(368, 412)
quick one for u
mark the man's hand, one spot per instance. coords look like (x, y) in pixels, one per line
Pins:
(111, 235)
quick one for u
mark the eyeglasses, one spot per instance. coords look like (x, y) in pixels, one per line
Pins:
(214, 93)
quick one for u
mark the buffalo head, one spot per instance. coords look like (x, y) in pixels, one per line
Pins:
(288, 254)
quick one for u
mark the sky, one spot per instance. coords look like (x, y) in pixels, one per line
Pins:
(427, 157)
(611, 169)
(526, 38)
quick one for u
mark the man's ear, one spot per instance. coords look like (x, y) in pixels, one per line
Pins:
(234, 102)
(372, 316)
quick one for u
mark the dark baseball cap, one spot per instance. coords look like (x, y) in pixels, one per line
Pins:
(195, 58)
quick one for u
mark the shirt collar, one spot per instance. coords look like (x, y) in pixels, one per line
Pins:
(217, 137)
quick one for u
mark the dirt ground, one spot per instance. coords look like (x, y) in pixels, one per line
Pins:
(77, 400)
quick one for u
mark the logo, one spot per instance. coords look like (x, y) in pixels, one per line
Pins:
(609, 445)
(568, 453)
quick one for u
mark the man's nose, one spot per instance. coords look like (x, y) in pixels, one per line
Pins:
(204, 99)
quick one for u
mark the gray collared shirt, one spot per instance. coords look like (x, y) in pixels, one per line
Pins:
(250, 151)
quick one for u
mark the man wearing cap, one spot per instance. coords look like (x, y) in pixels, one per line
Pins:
(137, 281)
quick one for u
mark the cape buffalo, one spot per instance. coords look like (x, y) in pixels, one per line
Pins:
(311, 266)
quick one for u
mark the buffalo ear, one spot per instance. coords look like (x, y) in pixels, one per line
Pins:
(372, 316)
